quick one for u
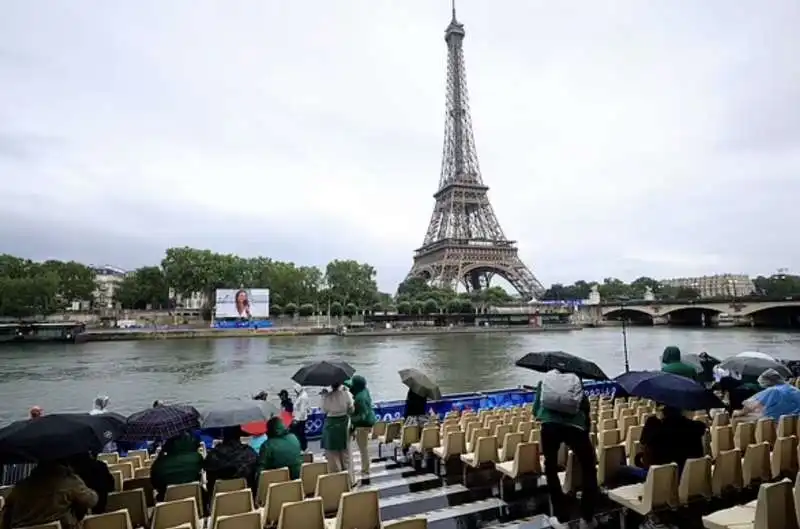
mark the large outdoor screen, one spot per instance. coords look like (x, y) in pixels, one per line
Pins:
(242, 303)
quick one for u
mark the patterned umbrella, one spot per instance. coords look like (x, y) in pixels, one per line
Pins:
(162, 422)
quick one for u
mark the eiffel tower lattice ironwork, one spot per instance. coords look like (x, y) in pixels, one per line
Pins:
(464, 242)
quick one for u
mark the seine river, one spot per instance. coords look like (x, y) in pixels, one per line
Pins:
(133, 374)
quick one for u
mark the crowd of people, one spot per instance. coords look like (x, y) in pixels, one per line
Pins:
(67, 490)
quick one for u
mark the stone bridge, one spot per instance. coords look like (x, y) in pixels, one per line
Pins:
(660, 311)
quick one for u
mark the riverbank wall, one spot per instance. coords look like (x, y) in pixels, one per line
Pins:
(116, 335)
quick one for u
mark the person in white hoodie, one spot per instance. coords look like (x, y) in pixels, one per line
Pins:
(100, 405)
(300, 415)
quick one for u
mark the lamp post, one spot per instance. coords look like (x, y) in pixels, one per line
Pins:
(622, 300)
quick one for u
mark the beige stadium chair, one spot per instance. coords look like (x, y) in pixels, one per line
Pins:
(110, 520)
(277, 495)
(726, 474)
(136, 461)
(309, 473)
(117, 477)
(143, 472)
(787, 426)
(526, 462)
(109, 458)
(266, 478)
(229, 485)
(408, 436)
(245, 520)
(783, 459)
(695, 480)
(773, 509)
(134, 502)
(429, 439)
(141, 483)
(572, 477)
(392, 432)
(330, 487)
(744, 434)
(186, 490)
(308, 457)
(169, 514)
(765, 431)
(756, 465)
(230, 503)
(126, 467)
(357, 510)
(609, 462)
(659, 491)
(509, 448)
(721, 439)
(306, 514)
(452, 447)
(485, 454)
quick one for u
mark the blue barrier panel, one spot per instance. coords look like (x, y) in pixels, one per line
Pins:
(241, 324)
(503, 398)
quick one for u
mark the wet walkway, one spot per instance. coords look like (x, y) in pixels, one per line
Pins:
(447, 504)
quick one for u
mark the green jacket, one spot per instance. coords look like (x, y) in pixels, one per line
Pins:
(364, 414)
(671, 363)
(580, 419)
(179, 463)
(281, 449)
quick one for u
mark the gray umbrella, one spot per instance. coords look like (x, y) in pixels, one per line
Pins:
(237, 413)
(748, 368)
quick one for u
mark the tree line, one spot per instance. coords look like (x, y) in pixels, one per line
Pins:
(28, 288)
(342, 287)
(611, 288)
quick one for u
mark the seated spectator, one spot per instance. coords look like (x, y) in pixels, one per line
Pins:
(671, 363)
(673, 438)
(737, 392)
(52, 493)
(96, 476)
(231, 459)
(776, 399)
(179, 462)
(281, 449)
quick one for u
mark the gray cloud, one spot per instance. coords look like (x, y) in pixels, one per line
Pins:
(655, 140)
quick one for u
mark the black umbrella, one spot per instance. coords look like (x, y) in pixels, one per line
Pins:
(564, 362)
(323, 373)
(749, 368)
(58, 435)
(162, 422)
(419, 383)
(668, 389)
(703, 364)
(237, 413)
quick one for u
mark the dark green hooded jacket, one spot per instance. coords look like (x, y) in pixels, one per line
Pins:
(364, 413)
(281, 449)
(180, 463)
(671, 363)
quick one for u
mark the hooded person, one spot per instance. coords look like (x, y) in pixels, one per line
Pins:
(300, 415)
(671, 363)
(362, 419)
(231, 459)
(281, 449)
(100, 405)
(178, 463)
(776, 399)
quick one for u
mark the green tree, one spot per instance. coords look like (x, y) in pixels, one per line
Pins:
(336, 309)
(306, 309)
(290, 309)
(144, 288)
(430, 306)
(639, 286)
(777, 285)
(26, 297)
(404, 307)
(352, 282)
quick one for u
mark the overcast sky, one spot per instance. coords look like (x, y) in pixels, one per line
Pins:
(618, 138)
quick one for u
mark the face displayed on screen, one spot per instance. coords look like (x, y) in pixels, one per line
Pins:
(242, 304)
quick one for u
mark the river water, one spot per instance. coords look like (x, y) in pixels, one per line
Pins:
(133, 374)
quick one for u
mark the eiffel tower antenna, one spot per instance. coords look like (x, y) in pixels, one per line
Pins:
(464, 243)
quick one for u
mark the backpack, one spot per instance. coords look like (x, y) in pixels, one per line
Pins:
(562, 392)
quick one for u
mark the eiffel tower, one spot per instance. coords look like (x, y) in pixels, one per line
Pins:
(464, 242)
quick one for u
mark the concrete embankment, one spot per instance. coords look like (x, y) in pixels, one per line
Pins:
(115, 335)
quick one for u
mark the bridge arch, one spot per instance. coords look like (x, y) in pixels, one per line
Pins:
(629, 313)
(749, 310)
(704, 308)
